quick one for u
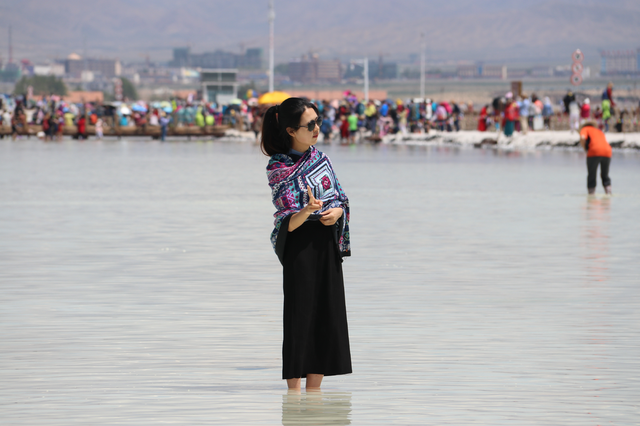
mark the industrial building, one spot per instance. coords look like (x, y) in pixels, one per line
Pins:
(74, 66)
(619, 62)
(219, 85)
(250, 59)
(314, 70)
(481, 70)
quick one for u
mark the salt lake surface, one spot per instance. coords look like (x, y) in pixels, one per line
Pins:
(138, 286)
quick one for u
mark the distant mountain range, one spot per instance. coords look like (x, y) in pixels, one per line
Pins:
(488, 30)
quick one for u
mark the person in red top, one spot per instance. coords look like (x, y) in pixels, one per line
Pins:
(610, 93)
(82, 127)
(585, 111)
(511, 115)
(344, 130)
(598, 154)
(482, 120)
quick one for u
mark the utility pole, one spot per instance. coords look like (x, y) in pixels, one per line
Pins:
(84, 63)
(366, 79)
(10, 47)
(272, 17)
(422, 64)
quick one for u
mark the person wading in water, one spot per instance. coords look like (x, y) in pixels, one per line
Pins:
(598, 154)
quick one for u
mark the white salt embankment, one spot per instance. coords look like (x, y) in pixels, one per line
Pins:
(471, 138)
(519, 141)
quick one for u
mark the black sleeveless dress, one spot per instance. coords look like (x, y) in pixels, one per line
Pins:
(316, 336)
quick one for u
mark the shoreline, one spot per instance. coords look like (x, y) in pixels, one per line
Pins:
(519, 141)
(475, 139)
(539, 140)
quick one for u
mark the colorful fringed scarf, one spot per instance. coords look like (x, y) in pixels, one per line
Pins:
(289, 180)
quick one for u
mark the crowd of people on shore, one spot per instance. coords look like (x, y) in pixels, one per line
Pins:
(350, 117)
(347, 119)
(53, 114)
(523, 113)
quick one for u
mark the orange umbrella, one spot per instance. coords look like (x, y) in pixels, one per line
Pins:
(273, 98)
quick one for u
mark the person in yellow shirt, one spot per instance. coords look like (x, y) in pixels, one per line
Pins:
(370, 113)
(68, 119)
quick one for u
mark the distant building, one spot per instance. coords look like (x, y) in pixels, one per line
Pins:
(562, 71)
(384, 71)
(219, 85)
(494, 71)
(619, 62)
(378, 70)
(74, 66)
(354, 71)
(315, 70)
(11, 73)
(181, 57)
(481, 71)
(469, 71)
(49, 69)
(217, 59)
(250, 59)
(517, 73)
(541, 72)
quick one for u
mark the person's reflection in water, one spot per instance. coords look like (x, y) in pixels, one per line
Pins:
(596, 232)
(316, 408)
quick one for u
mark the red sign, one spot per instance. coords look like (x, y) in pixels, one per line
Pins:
(576, 79)
(577, 56)
(577, 67)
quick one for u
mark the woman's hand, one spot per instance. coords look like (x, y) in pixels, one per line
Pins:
(314, 205)
(298, 219)
(331, 216)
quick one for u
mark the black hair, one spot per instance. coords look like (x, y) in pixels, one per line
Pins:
(275, 139)
(588, 124)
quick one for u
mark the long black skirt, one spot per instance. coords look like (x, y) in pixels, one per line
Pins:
(316, 336)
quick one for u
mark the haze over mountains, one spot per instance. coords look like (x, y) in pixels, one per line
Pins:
(490, 30)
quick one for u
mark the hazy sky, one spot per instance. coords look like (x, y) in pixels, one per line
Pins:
(488, 30)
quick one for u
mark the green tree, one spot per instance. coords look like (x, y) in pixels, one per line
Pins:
(42, 85)
(128, 89)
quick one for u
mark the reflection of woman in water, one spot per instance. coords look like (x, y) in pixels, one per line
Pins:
(311, 236)
(316, 408)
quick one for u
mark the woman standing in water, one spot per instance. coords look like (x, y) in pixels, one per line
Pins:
(310, 238)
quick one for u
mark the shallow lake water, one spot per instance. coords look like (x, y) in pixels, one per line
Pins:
(138, 286)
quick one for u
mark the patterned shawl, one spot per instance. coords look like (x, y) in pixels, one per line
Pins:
(288, 181)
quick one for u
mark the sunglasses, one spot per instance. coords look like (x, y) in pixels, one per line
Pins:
(311, 126)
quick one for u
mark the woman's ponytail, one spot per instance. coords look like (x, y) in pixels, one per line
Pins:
(272, 141)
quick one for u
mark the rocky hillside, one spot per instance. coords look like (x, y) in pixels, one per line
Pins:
(464, 29)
